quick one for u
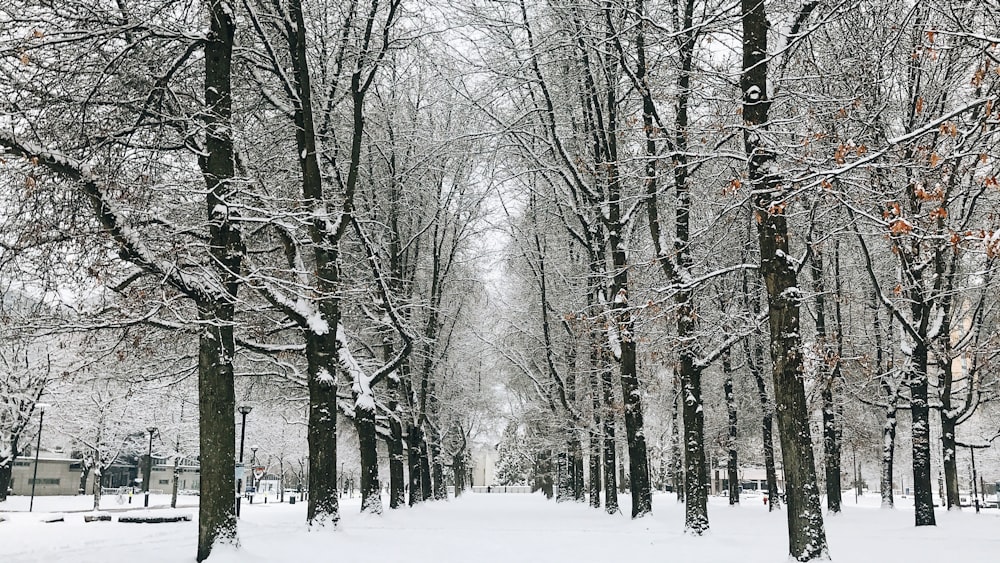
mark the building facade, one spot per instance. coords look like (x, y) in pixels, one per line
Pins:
(57, 475)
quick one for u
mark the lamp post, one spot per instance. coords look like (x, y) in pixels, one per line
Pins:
(253, 464)
(34, 478)
(244, 411)
(149, 466)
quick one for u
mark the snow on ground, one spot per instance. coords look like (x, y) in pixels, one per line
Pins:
(496, 528)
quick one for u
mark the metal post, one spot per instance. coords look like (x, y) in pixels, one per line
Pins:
(38, 447)
(253, 479)
(854, 453)
(975, 490)
(149, 466)
(244, 410)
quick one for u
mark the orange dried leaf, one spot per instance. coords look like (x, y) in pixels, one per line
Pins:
(900, 227)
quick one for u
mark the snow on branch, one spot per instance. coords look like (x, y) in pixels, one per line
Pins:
(113, 220)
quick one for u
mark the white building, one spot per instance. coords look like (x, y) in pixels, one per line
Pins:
(484, 465)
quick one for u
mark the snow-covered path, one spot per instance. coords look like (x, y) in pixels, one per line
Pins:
(482, 528)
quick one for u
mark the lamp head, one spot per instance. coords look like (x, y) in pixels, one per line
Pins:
(41, 407)
(151, 430)
(245, 410)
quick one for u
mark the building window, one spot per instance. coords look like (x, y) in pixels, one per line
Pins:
(164, 481)
(22, 463)
(45, 481)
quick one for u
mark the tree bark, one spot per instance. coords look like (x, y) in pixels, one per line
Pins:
(324, 504)
(426, 485)
(732, 462)
(597, 406)
(831, 433)
(610, 463)
(5, 472)
(806, 534)
(217, 427)
(371, 488)
(413, 440)
(216, 394)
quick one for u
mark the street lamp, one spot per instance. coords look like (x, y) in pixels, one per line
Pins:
(253, 463)
(149, 466)
(34, 478)
(244, 411)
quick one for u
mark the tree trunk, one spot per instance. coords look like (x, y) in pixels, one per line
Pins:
(217, 427)
(596, 403)
(397, 485)
(579, 488)
(610, 462)
(324, 503)
(439, 487)
(675, 443)
(891, 396)
(732, 462)
(923, 497)
(563, 484)
(806, 534)
(888, 453)
(949, 423)
(96, 489)
(84, 473)
(216, 395)
(831, 439)
(696, 480)
(177, 475)
(426, 485)
(642, 498)
(459, 470)
(413, 440)
(6, 468)
(755, 362)
(5, 473)
(371, 488)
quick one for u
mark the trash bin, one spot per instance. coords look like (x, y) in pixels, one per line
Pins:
(291, 499)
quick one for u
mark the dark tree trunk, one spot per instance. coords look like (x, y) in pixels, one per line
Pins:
(831, 432)
(216, 394)
(675, 443)
(579, 488)
(755, 362)
(642, 498)
(596, 404)
(610, 462)
(696, 484)
(397, 456)
(217, 427)
(732, 462)
(426, 484)
(564, 484)
(888, 450)
(891, 396)
(440, 488)
(5, 472)
(413, 439)
(84, 474)
(324, 505)
(922, 493)
(806, 534)
(371, 488)
(459, 470)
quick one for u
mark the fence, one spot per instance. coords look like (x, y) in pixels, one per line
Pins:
(502, 489)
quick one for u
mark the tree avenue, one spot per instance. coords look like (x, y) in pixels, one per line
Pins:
(605, 244)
